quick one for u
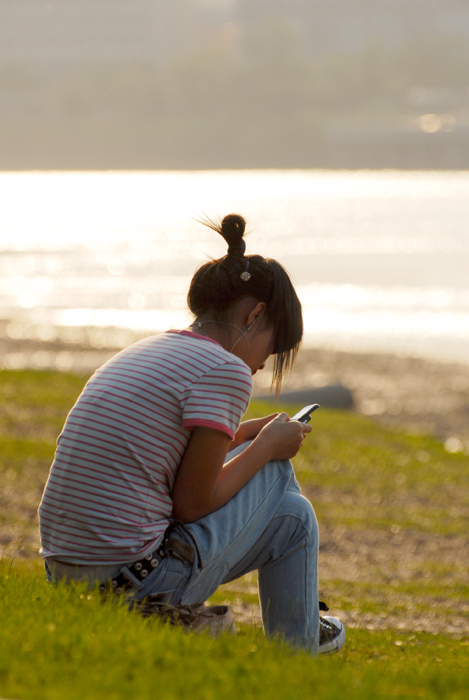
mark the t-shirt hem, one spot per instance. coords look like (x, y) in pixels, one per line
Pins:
(71, 559)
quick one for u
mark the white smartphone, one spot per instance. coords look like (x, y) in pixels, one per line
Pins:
(304, 416)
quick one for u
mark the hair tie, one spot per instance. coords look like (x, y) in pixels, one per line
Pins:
(237, 249)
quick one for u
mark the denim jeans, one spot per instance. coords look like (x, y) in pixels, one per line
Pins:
(267, 526)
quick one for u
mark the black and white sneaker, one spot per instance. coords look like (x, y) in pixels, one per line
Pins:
(331, 635)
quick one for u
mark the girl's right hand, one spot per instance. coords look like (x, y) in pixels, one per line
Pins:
(284, 436)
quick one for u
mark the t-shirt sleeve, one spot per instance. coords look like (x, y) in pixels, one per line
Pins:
(218, 399)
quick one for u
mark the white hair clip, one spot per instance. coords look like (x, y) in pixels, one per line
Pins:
(246, 276)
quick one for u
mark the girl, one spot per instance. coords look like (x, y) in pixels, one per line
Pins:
(159, 489)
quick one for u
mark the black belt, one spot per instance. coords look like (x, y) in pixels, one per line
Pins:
(140, 569)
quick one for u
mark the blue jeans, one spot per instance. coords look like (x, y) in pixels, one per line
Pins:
(268, 526)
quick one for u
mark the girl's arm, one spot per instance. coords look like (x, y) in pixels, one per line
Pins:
(203, 484)
(249, 429)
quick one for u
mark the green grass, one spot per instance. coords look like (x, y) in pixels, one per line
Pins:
(360, 474)
(62, 642)
(393, 512)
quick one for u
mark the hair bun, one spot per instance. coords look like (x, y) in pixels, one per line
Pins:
(232, 230)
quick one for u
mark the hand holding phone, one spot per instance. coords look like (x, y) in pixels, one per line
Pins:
(304, 416)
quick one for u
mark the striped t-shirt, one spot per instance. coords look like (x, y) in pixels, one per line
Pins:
(108, 496)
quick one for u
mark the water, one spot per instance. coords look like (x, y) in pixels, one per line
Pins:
(380, 259)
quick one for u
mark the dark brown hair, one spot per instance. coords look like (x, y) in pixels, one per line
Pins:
(218, 285)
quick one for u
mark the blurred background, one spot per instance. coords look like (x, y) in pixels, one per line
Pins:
(197, 84)
(339, 129)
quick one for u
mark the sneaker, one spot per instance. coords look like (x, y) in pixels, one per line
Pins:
(214, 619)
(331, 635)
(217, 619)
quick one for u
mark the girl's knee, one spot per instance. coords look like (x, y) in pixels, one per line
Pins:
(296, 505)
(308, 515)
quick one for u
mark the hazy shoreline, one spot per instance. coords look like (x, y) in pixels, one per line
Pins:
(414, 393)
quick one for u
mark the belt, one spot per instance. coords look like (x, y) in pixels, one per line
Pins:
(140, 569)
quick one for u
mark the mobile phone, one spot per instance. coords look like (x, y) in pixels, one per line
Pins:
(304, 416)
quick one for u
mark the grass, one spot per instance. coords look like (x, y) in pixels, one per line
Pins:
(392, 510)
(359, 474)
(61, 642)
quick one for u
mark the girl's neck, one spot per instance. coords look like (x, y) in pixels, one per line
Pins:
(215, 330)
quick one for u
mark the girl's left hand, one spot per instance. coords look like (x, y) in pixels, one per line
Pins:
(250, 429)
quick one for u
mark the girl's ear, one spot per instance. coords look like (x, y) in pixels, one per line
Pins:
(255, 315)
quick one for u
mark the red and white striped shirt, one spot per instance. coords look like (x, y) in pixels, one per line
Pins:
(108, 496)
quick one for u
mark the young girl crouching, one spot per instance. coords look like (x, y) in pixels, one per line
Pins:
(158, 489)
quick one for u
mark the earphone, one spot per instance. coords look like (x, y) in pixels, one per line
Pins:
(251, 324)
(198, 325)
(243, 335)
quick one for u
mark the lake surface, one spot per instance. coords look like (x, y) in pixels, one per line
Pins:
(380, 259)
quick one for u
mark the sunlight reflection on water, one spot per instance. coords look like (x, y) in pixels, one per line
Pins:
(380, 259)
